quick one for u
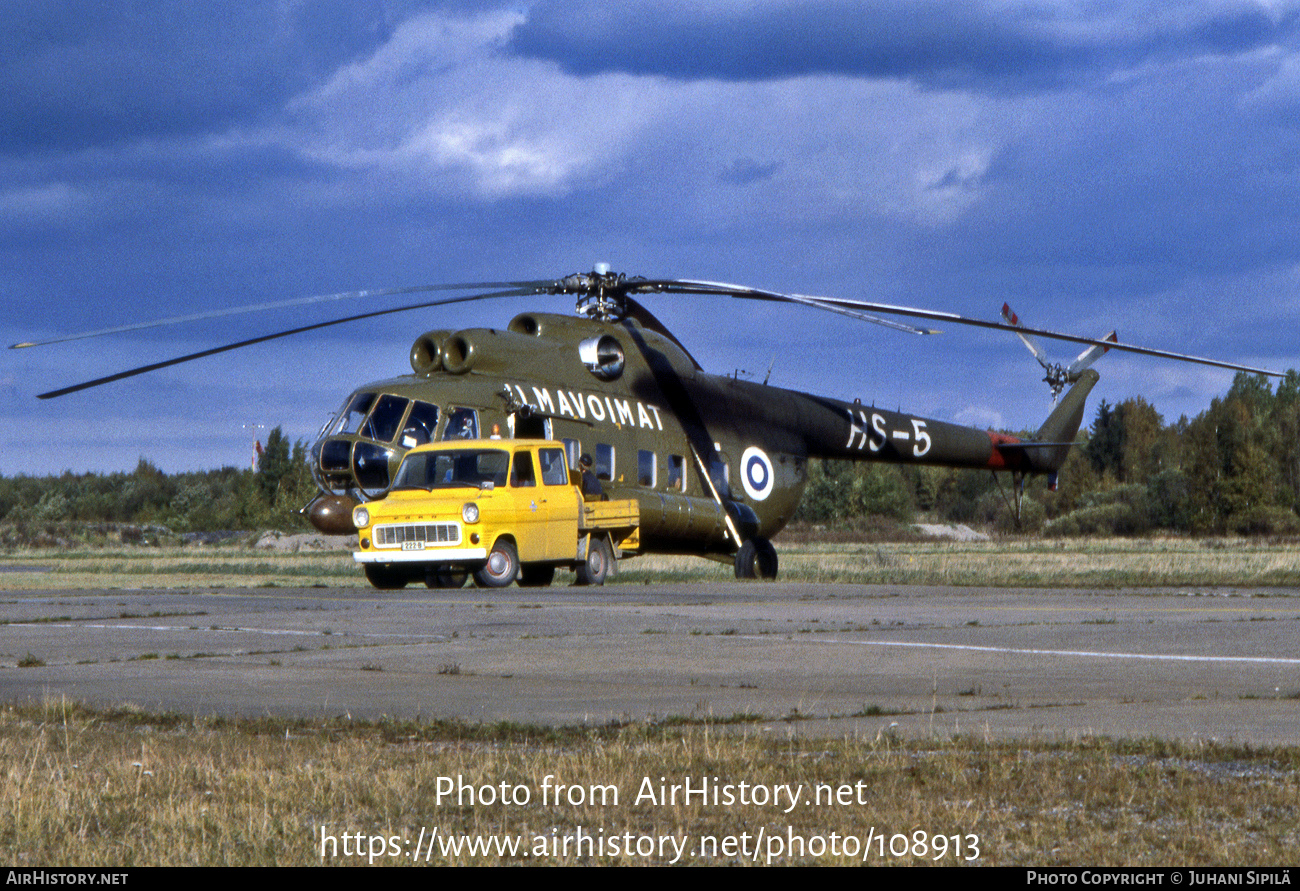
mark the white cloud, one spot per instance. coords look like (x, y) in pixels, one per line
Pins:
(439, 109)
(47, 203)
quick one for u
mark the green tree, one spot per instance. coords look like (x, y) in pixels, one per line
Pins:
(273, 464)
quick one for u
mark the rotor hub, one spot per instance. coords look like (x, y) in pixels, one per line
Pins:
(599, 293)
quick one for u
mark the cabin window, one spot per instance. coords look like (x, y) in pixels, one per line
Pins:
(420, 424)
(554, 472)
(645, 468)
(573, 449)
(677, 473)
(462, 423)
(522, 472)
(604, 461)
(721, 476)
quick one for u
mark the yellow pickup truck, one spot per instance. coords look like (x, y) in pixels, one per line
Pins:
(495, 509)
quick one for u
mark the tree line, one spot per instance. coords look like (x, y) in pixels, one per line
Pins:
(267, 497)
(1234, 468)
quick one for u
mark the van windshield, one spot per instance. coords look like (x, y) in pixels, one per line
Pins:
(452, 468)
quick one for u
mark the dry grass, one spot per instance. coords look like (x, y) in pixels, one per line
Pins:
(128, 567)
(86, 788)
(1015, 563)
(79, 787)
(1012, 563)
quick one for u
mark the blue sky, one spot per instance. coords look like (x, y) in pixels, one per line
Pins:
(1129, 165)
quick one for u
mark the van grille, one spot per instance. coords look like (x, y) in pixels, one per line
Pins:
(426, 533)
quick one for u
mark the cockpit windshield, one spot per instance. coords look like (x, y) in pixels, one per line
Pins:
(354, 413)
(449, 469)
(382, 417)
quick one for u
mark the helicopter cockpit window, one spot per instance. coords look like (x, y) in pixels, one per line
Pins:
(351, 418)
(386, 418)
(462, 423)
(420, 425)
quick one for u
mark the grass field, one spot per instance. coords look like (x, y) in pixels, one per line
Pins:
(1014, 563)
(119, 787)
(94, 788)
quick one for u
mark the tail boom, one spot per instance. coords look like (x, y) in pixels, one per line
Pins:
(874, 434)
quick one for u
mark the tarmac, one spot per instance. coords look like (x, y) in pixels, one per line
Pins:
(779, 658)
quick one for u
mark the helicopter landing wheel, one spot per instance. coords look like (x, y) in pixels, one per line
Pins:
(501, 567)
(386, 578)
(756, 559)
(599, 564)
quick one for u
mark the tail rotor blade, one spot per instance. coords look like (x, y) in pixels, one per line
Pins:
(1091, 354)
(1014, 321)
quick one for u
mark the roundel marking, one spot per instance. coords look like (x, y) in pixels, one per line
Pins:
(756, 473)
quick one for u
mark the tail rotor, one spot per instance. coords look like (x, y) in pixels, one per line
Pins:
(1058, 376)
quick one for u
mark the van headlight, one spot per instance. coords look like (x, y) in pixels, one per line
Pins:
(360, 517)
(469, 513)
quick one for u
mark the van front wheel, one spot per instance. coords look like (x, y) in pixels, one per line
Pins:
(501, 567)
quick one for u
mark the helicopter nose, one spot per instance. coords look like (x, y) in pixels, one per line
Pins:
(349, 464)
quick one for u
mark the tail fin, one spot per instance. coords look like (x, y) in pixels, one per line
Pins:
(1062, 425)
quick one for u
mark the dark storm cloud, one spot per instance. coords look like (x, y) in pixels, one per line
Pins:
(995, 47)
(155, 68)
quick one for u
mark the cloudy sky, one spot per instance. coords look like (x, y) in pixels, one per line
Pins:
(1132, 164)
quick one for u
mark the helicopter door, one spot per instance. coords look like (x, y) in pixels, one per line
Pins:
(531, 428)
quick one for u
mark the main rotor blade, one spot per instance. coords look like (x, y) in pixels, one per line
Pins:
(145, 369)
(535, 287)
(686, 286)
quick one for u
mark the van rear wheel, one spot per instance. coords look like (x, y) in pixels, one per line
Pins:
(599, 564)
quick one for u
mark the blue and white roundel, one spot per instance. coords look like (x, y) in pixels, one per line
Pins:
(756, 473)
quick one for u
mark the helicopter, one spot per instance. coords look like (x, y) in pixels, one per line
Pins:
(716, 464)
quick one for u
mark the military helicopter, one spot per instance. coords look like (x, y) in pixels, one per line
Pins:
(716, 464)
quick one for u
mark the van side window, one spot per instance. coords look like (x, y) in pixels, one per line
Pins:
(521, 474)
(554, 472)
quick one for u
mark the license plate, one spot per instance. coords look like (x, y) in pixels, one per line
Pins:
(413, 546)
